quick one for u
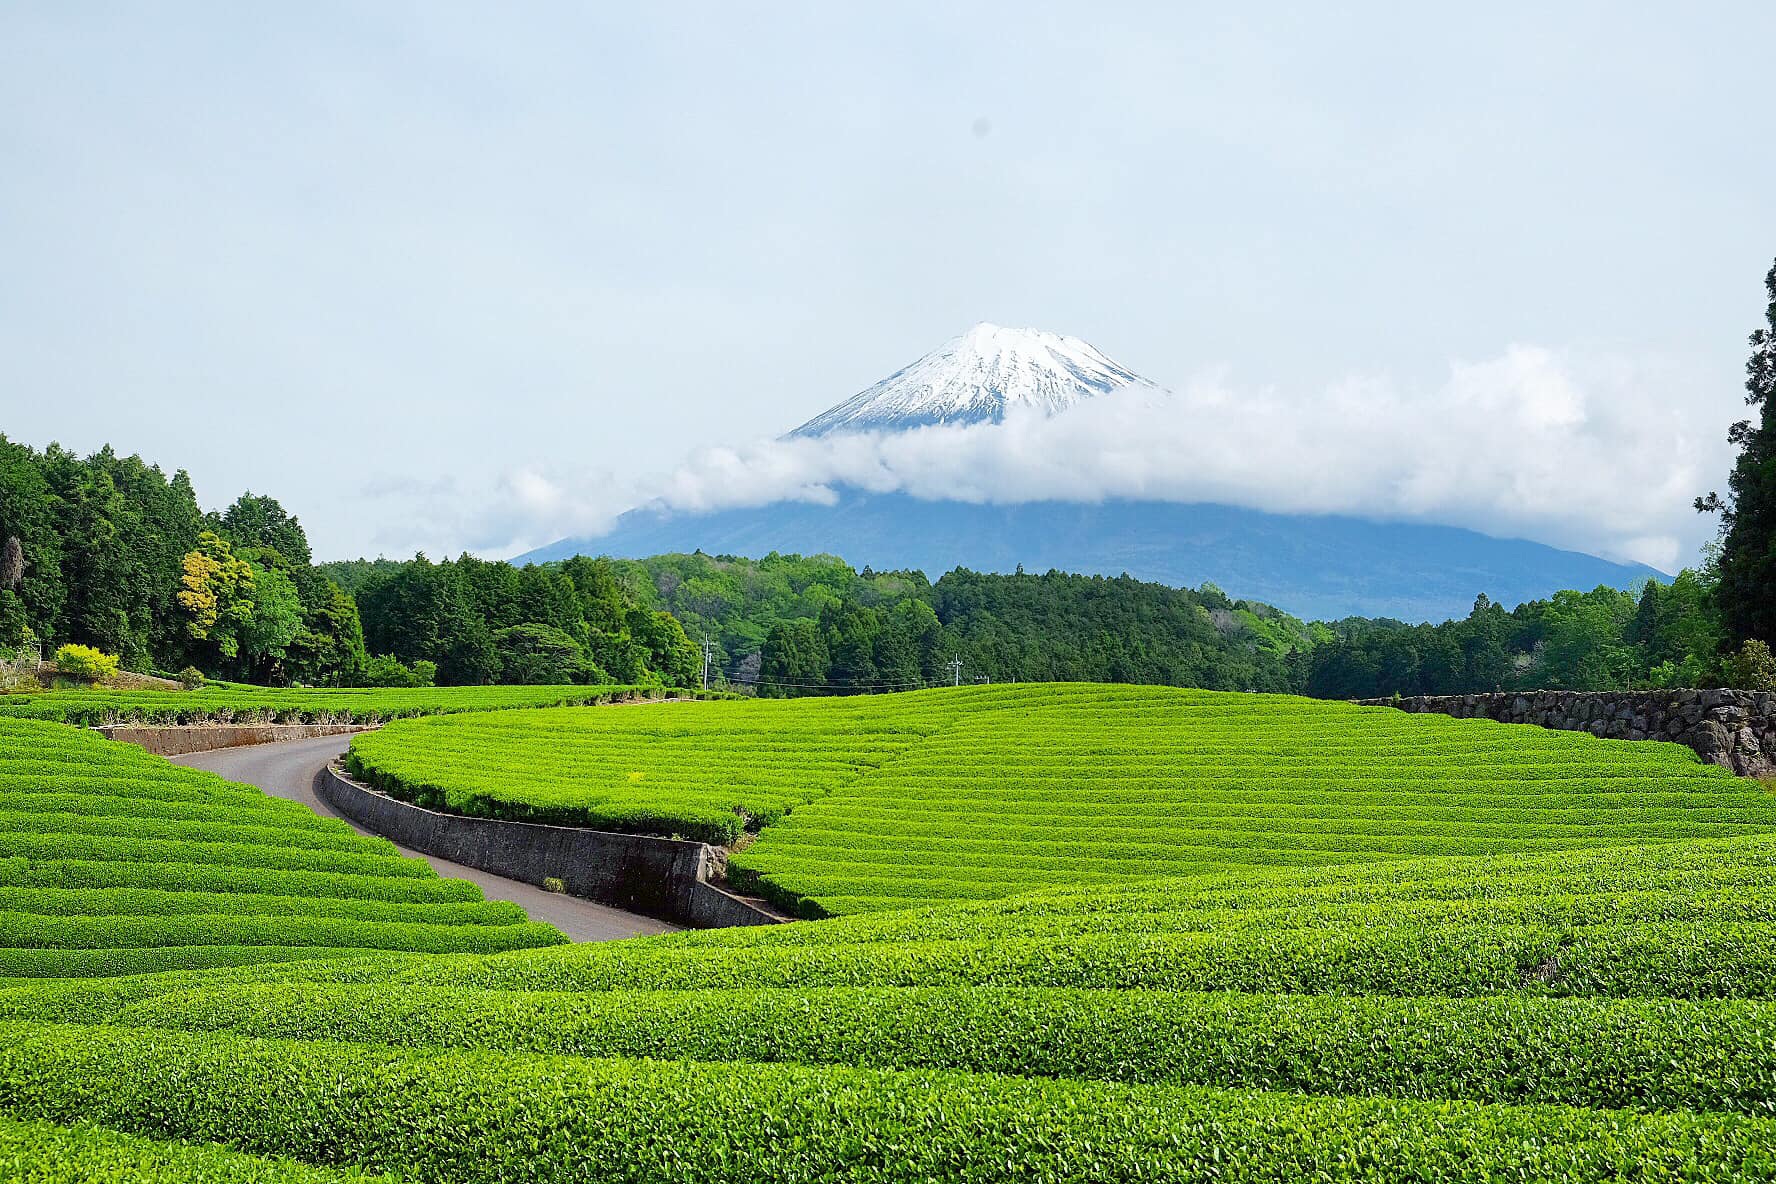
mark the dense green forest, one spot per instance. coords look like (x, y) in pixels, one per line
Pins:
(481, 621)
(1605, 639)
(791, 624)
(109, 551)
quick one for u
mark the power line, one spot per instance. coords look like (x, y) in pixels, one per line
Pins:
(841, 686)
(905, 684)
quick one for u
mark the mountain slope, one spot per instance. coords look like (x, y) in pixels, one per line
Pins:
(978, 378)
(1309, 565)
(1312, 566)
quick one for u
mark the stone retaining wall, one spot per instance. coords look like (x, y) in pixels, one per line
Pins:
(665, 878)
(176, 740)
(1734, 729)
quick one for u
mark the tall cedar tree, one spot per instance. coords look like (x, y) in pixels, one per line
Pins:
(12, 564)
(1747, 590)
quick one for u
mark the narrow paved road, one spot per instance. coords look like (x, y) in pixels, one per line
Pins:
(290, 770)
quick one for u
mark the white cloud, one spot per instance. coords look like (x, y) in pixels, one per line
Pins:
(1582, 452)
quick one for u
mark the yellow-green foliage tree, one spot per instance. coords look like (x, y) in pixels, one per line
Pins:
(84, 661)
(217, 593)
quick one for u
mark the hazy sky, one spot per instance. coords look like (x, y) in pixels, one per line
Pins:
(470, 276)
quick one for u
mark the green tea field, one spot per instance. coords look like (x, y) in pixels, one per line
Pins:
(113, 861)
(980, 792)
(1594, 1015)
(1087, 934)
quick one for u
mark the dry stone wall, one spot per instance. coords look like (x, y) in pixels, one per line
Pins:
(664, 878)
(178, 739)
(1734, 729)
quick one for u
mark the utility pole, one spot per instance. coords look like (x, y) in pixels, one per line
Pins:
(956, 672)
(708, 655)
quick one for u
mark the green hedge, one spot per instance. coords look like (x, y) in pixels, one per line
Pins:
(155, 902)
(1656, 1054)
(44, 1153)
(38, 931)
(86, 874)
(232, 704)
(104, 963)
(477, 1116)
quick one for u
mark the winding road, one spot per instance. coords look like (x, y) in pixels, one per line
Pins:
(290, 770)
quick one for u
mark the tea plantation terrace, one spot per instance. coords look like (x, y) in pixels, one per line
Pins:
(849, 805)
(113, 862)
(1234, 938)
(1540, 1017)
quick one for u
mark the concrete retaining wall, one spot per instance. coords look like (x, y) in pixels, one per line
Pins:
(1734, 729)
(178, 739)
(665, 878)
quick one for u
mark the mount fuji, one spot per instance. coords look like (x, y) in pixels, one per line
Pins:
(980, 377)
(1316, 566)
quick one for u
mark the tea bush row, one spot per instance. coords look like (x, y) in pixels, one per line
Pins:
(1647, 1054)
(119, 862)
(160, 902)
(86, 874)
(241, 704)
(468, 1115)
(1689, 921)
(44, 1153)
(1107, 785)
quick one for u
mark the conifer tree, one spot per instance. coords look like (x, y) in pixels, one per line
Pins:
(12, 564)
(1747, 589)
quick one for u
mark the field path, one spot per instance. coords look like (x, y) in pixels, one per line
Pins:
(290, 770)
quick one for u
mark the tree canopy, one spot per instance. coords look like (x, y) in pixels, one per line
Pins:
(1747, 592)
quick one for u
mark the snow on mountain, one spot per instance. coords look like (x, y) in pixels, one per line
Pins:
(977, 378)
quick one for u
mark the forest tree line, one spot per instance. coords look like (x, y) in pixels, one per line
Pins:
(799, 625)
(791, 625)
(109, 551)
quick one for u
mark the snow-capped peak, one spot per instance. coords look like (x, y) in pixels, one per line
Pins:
(977, 378)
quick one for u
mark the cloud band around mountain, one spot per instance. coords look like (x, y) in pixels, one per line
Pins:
(1537, 443)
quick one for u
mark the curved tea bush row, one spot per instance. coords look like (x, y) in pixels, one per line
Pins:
(1652, 1054)
(126, 864)
(44, 1153)
(84, 874)
(354, 705)
(27, 963)
(100, 1000)
(238, 826)
(1679, 961)
(481, 1116)
(1106, 786)
(154, 902)
(370, 860)
(20, 931)
(1688, 921)
(979, 793)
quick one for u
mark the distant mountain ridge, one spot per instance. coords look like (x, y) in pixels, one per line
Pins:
(1320, 566)
(1313, 567)
(977, 378)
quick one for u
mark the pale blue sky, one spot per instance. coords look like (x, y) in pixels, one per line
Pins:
(376, 259)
